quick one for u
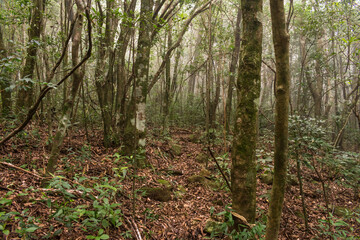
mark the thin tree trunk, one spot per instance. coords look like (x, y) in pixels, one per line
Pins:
(4, 81)
(281, 47)
(232, 71)
(26, 92)
(65, 120)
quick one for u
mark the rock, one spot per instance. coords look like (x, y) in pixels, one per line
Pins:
(196, 179)
(204, 181)
(173, 172)
(158, 194)
(266, 178)
(176, 149)
(212, 226)
(292, 180)
(194, 138)
(205, 173)
(201, 158)
(166, 183)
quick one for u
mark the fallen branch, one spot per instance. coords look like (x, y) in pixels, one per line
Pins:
(23, 170)
(218, 166)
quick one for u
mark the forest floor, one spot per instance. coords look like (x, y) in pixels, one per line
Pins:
(96, 191)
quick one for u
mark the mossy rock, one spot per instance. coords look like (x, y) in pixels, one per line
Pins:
(166, 183)
(266, 178)
(173, 172)
(194, 138)
(205, 173)
(158, 194)
(196, 179)
(212, 226)
(204, 181)
(176, 149)
(292, 180)
(201, 158)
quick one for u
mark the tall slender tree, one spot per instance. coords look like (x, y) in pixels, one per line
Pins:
(243, 172)
(281, 47)
(26, 92)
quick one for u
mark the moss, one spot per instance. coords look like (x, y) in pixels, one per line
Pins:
(266, 178)
(196, 179)
(158, 194)
(201, 158)
(166, 183)
(176, 149)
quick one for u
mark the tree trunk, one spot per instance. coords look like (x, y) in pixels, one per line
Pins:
(243, 172)
(65, 120)
(281, 47)
(26, 92)
(135, 131)
(167, 87)
(105, 84)
(232, 71)
(4, 80)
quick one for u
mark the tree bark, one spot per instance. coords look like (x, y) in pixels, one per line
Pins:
(135, 131)
(281, 47)
(232, 71)
(65, 120)
(243, 172)
(26, 92)
(4, 80)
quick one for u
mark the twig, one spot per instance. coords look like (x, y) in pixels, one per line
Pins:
(21, 169)
(217, 164)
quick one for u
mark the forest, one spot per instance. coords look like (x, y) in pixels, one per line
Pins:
(180, 119)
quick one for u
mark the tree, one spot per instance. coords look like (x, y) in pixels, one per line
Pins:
(281, 47)
(4, 79)
(243, 172)
(77, 78)
(26, 92)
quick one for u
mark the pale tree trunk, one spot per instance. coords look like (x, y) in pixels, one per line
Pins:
(317, 88)
(281, 47)
(243, 172)
(65, 120)
(192, 78)
(209, 78)
(167, 87)
(26, 92)
(232, 71)
(4, 80)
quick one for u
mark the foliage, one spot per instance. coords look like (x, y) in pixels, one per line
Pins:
(226, 228)
(341, 229)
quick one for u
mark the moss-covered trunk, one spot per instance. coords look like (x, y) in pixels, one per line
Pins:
(4, 80)
(135, 131)
(26, 92)
(243, 173)
(281, 46)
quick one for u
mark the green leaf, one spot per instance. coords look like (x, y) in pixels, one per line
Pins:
(31, 229)
(104, 236)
